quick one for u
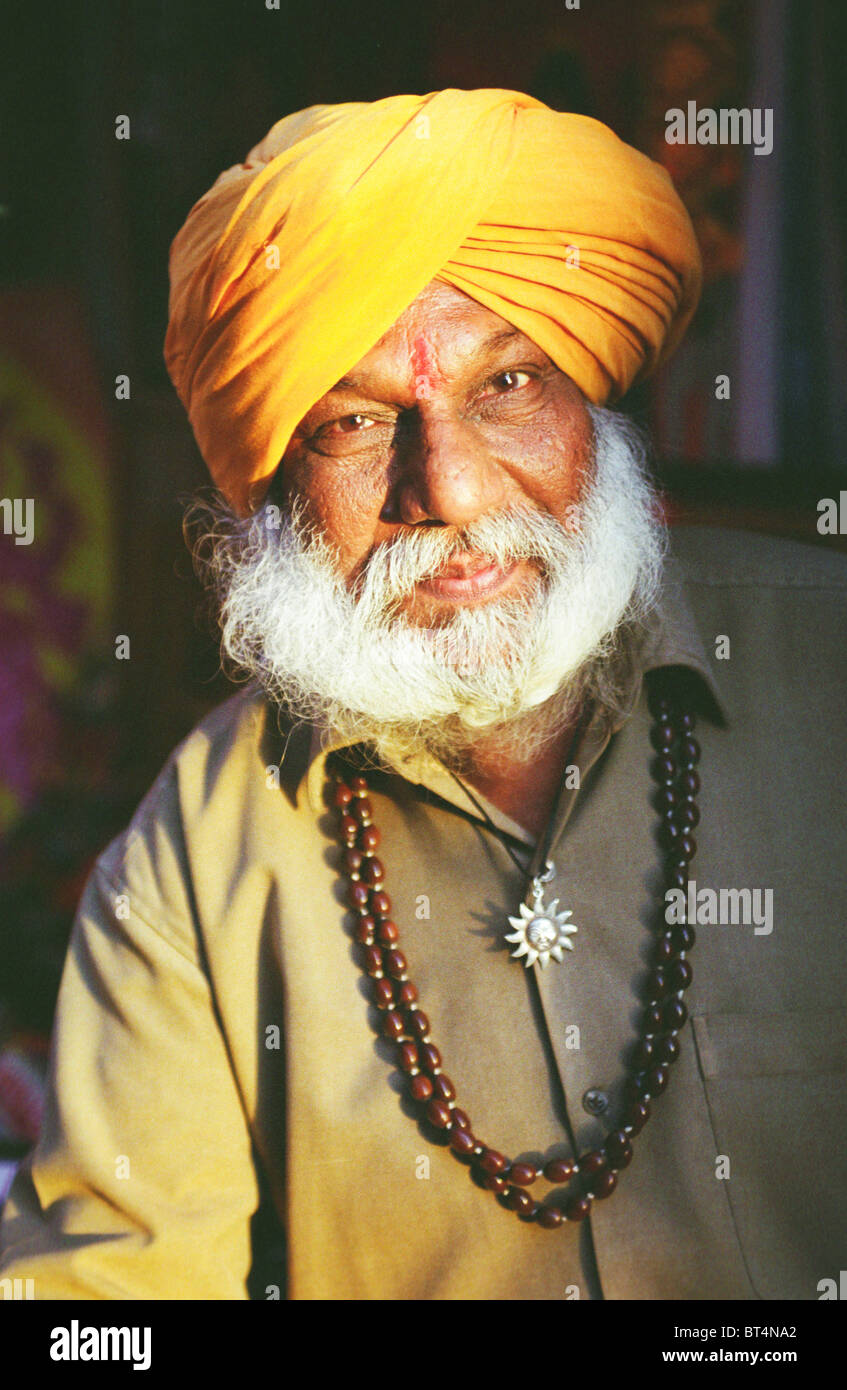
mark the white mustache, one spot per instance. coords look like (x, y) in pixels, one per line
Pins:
(396, 566)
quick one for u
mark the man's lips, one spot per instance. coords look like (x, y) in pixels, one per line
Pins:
(467, 577)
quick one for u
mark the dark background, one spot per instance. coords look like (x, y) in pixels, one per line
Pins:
(86, 224)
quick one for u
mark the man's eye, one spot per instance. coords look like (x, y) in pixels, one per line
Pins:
(510, 381)
(350, 424)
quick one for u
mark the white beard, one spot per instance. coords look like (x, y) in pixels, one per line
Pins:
(512, 669)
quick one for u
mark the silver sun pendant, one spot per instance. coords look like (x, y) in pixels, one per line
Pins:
(541, 933)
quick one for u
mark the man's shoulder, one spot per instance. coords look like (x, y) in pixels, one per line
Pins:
(767, 616)
(233, 746)
(718, 557)
(229, 734)
(236, 726)
(208, 777)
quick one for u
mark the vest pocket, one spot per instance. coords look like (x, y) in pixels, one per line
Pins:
(775, 1086)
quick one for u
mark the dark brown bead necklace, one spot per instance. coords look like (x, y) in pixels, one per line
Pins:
(594, 1175)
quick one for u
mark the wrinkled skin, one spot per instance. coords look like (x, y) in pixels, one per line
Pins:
(451, 415)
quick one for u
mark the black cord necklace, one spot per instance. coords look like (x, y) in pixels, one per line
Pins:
(540, 933)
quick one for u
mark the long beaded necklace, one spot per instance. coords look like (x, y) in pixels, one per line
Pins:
(591, 1176)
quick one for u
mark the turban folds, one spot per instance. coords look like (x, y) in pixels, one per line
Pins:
(294, 264)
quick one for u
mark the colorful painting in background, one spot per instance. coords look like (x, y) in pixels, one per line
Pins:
(56, 586)
(56, 591)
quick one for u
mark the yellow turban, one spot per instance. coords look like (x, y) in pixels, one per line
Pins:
(293, 265)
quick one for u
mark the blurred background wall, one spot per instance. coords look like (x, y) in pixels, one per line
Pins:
(105, 663)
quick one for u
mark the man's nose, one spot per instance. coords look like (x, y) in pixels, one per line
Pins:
(447, 473)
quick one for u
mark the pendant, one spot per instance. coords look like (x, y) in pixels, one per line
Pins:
(541, 932)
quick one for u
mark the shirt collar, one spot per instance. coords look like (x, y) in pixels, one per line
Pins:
(671, 638)
(674, 639)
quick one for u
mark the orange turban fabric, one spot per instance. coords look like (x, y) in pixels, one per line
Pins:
(294, 264)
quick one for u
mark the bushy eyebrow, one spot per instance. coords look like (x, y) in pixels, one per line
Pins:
(495, 340)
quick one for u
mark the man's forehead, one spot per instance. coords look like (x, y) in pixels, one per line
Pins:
(443, 330)
(428, 354)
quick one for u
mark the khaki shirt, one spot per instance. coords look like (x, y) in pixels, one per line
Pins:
(223, 1122)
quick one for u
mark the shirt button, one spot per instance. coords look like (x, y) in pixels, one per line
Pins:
(594, 1101)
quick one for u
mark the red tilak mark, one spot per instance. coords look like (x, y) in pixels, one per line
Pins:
(424, 370)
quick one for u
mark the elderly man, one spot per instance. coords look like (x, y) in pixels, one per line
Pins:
(427, 970)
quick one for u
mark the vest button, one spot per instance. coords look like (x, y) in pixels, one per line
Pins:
(595, 1101)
